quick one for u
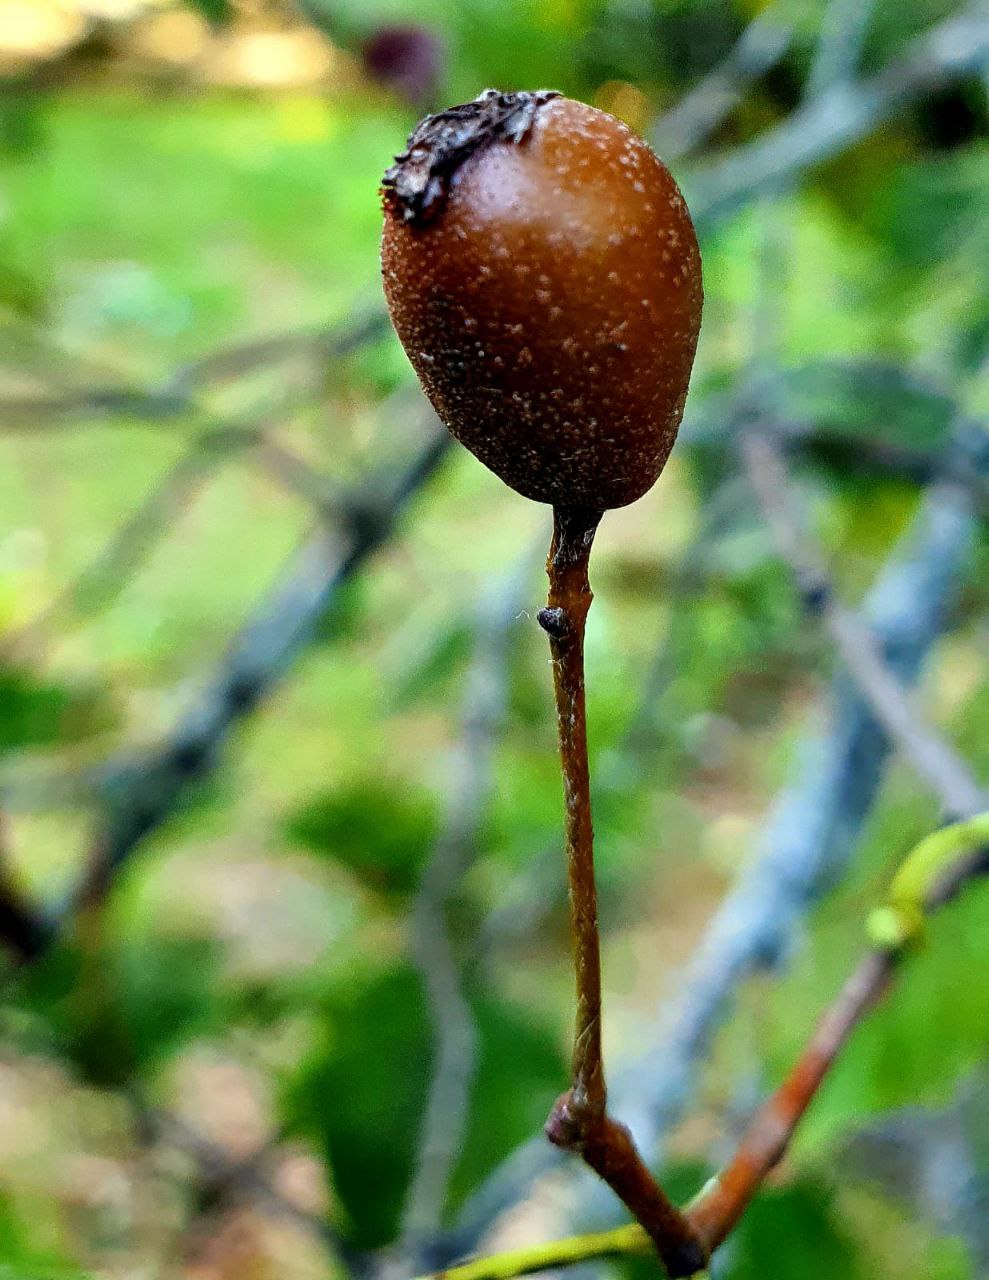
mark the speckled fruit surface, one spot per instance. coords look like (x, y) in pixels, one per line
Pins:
(551, 306)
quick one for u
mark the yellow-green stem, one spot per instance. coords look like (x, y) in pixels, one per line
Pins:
(622, 1241)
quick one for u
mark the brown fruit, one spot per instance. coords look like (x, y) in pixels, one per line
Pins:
(542, 273)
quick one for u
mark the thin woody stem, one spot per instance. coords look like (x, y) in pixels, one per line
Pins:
(563, 619)
(720, 1205)
(945, 868)
(579, 1120)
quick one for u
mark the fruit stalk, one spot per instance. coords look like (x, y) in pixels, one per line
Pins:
(564, 620)
(579, 1121)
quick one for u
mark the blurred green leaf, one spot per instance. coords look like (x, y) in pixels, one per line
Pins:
(347, 617)
(22, 287)
(526, 807)
(360, 1097)
(520, 1069)
(875, 402)
(794, 1233)
(787, 1233)
(215, 11)
(381, 829)
(24, 1255)
(428, 669)
(365, 1113)
(34, 711)
(935, 209)
(125, 1010)
(169, 990)
(929, 1032)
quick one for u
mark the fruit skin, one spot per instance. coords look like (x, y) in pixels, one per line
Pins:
(549, 296)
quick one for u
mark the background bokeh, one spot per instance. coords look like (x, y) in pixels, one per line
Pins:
(288, 979)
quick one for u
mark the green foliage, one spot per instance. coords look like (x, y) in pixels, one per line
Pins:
(361, 1112)
(377, 827)
(366, 1117)
(21, 290)
(307, 172)
(794, 1233)
(168, 990)
(485, 43)
(120, 1013)
(519, 1070)
(216, 11)
(21, 124)
(872, 403)
(24, 1255)
(433, 666)
(927, 1035)
(35, 711)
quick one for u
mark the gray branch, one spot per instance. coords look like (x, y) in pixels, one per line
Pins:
(180, 394)
(691, 122)
(931, 756)
(841, 116)
(448, 1105)
(141, 797)
(843, 30)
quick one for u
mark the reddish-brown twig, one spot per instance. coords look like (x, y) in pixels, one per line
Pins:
(720, 1205)
(579, 1121)
(717, 1210)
